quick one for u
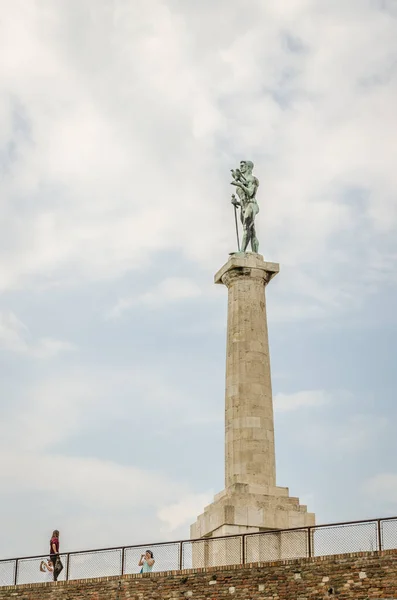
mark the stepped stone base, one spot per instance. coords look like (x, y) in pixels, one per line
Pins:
(244, 508)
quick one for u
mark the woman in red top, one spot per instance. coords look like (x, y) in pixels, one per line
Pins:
(54, 550)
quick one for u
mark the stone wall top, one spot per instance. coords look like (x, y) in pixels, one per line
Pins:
(346, 576)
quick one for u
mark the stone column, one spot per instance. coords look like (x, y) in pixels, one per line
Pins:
(249, 440)
(251, 501)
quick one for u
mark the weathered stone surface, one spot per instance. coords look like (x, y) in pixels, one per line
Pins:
(249, 443)
(251, 500)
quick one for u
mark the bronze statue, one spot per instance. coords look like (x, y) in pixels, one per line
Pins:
(246, 185)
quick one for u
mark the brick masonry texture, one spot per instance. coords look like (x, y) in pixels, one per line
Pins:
(346, 576)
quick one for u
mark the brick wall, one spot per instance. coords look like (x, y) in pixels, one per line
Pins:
(347, 576)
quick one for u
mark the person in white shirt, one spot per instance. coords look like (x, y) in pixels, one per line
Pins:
(47, 568)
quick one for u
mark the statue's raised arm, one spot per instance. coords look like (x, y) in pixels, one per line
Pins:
(247, 185)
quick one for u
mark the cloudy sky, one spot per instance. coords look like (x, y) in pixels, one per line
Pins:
(119, 123)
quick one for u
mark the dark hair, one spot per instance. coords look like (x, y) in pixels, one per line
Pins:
(55, 533)
(150, 552)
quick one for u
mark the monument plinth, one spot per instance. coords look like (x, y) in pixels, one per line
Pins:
(251, 501)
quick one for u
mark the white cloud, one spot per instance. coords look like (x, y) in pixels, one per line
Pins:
(184, 511)
(48, 347)
(172, 289)
(298, 400)
(34, 461)
(358, 431)
(94, 502)
(349, 431)
(385, 484)
(73, 397)
(15, 337)
(87, 481)
(136, 174)
(49, 413)
(347, 434)
(382, 490)
(12, 332)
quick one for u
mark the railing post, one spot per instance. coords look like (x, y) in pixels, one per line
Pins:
(180, 556)
(16, 572)
(67, 566)
(243, 549)
(380, 541)
(309, 542)
(122, 560)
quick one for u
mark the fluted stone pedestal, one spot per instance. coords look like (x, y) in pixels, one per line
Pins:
(251, 501)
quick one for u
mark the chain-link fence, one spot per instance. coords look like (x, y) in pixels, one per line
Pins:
(342, 539)
(99, 563)
(7, 572)
(320, 540)
(212, 552)
(276, 545)
(28, 570)
(388, 534)
(166, 557)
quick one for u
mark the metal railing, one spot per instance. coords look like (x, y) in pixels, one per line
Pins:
(319, 540)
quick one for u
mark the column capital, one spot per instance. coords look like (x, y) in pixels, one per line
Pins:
(242, 265)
